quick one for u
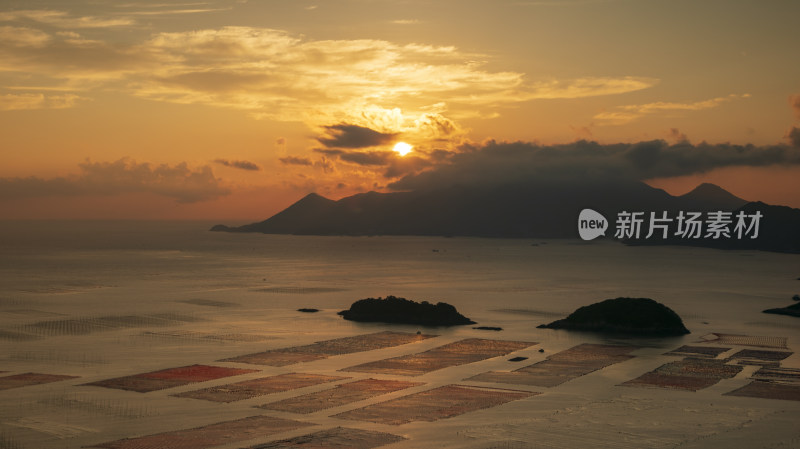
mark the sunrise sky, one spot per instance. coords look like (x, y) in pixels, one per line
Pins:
(234, 109)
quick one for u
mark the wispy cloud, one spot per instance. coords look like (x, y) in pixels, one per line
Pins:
(179, 182)
(63, 19)
(294, 160)
(172, 12)
(11, 102)
(279, 75)
(794, 102)
(242, 165)
(629, 113)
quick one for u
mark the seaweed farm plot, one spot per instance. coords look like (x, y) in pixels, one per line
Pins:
(26, 379)
(181, 335)
(168, 378)
(433, 405)
(760, 357)
(336, 438)
(562, 366)
(340, 395)
(458, 353)
(210, 435)
(327, 348)
(90, 325)
(744, 340)
(698, 351)
(688, 374)
(258, 387)
(772, 383)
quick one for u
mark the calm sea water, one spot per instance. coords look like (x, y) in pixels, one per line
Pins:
(173, 294)
(477, 275)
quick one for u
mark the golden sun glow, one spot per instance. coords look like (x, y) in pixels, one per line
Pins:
(402, 148)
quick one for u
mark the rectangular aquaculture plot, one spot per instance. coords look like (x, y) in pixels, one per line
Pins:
(340, 395)
(452, 354)
(697, 351)
(766, 389)
(772, 383)
(336, 438)
(168, 378)
(687, 374)
(26, 379)
(561, 366)
(744, 340)
(432, 405)
(760, 357)
(211, 435)
(327, 348)
(258, 387)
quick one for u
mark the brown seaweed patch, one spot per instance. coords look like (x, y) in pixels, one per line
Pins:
(89, 325)
(336, 438)
(340, 395)
(760, 357)
(457, 353)
(687, 374)
(744, 340)
(766, 389)
(17, 336)
(258, 387)
(788, 375)
(562, 366)
(327, 348)
(209, 303)
(168, 378)
(204, 336)
(432, 405)
(210, 435)
(26, 379)
(301, 290)
(697, 351)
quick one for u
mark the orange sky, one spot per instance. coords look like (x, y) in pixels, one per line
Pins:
(234, 109)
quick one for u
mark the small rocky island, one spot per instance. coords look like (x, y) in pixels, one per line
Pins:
(636, 316)
(403, 311)
(793, 310)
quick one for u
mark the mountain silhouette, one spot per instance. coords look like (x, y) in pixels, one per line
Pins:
(531, 209)
(706, 194)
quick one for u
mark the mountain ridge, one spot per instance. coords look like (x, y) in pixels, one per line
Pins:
(529, 209)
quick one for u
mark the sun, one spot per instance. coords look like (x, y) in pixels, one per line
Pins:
(402, 148)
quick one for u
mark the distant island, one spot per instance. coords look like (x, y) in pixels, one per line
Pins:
(636, 316)
(404, 311)
(533, 209)
(793, 310)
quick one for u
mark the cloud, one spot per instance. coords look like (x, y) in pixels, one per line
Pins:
(179, 182)
(11, 102)
(406, 22)
(243, 165)
(63, 19)
(361, 157)
(676, 135)
(294, 160)
(504, 162)
(273, 73)
(794, 137)
(23, 37)
(628, 113)
(794, 101)
(346, 135)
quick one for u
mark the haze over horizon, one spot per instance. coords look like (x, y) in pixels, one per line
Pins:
(235, 109)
